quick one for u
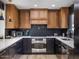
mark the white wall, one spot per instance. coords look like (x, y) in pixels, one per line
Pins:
(2, 28)
(2, 25)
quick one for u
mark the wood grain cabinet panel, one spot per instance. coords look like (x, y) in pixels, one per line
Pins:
(53, 19)
(34, 14)
(39, 16)
(11, 17)
(43, 14)
(64, 17)
(41, 22)
(25, 19)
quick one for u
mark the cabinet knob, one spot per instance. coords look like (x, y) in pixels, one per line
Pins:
(10, 20)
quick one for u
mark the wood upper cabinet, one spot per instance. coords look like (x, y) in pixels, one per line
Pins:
(43, 14)
(34, 14)
(40, 22)
(53, 19)
(64, 17)
(11, 17)
(39, 16)
(25, 19)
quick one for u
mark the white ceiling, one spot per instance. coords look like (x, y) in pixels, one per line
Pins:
(27, 4)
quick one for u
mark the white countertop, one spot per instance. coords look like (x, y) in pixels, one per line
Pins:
(8, 42)
(4, 43)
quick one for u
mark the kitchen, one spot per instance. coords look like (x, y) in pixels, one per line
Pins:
(41, 29)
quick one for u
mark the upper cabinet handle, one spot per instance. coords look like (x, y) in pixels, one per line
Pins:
(10, 20)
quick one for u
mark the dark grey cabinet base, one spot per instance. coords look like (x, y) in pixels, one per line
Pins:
(27, 47)
(57, 47)
(50, 46)
(19, 47)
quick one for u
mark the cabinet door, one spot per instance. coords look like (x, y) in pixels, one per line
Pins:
(43, 14)
(50, 45)
(34, 14)
(53, 19)
(40, 16)
(11, 16)
(64, 18)
(19, 47)
(27, 46)
(57, 48)
(25, 19)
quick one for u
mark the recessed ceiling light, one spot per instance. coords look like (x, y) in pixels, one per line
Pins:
(35, 5)
(53, 5)
(10, 0)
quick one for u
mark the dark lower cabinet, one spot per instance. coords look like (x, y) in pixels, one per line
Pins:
(58, 47)
(4, 54)
(50, 45)
(9, 53)
(19, 47)
(27, 45)
(23, 46)
(12, 50)
(54, 46)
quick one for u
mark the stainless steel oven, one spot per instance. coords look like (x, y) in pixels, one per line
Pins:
(38, 45)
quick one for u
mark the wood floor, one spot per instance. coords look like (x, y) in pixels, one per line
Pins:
(38, 57)
(46, 57)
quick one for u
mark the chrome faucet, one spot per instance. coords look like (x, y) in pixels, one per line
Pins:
(70, 33)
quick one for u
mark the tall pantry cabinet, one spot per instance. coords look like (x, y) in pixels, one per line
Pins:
(12, 21)
(64, 12)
